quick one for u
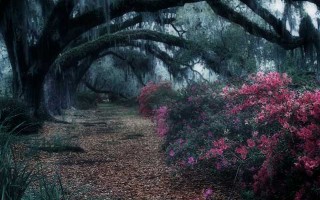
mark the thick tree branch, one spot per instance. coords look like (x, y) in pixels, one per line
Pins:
(113, 28)
(316, 2)
(55, 23)
(121, 7)
(82, 24)
(85, 22)
(251, 27)
(124, 37)
(173, 65)
(268, 17)
(52, 34)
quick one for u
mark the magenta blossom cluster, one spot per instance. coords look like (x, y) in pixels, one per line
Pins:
(151, 96)
(295, 118)
(263, 132)
(161, 115)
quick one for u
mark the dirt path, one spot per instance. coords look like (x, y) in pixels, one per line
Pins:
(121, 158)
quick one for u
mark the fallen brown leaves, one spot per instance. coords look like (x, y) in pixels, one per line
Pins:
(122, 158)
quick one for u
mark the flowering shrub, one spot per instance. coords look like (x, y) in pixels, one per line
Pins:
(263, 131)
(161, 115)
(153, 95)
(191, 122)
(291, 145)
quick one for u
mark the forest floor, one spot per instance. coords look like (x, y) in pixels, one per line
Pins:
(121, 158)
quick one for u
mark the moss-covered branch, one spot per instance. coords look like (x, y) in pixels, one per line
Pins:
(112, 40)
(120, 7)
(113, 28)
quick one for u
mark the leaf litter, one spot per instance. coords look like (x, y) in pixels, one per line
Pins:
(122, 159)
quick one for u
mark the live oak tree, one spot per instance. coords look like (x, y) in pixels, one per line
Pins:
(51, 44)
(57, 45)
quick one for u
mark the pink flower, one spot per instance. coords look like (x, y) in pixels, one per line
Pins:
(191, 160)
(225, 90)
(161, 120)
(251, 143)
(309, 164)
(305, 133)
(218, 166)
(242, 151)
(219, 146)
(208, 193)
(171, 153)
(299, 194)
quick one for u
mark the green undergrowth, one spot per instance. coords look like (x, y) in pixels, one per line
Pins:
(20, 179)
(15, 117)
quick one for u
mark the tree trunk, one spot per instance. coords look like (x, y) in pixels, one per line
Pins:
(59, 91)
(31, 63)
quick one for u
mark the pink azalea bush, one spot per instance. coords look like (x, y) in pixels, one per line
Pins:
(161, 115)
(263, 131)
(289, 127)
(153, 95)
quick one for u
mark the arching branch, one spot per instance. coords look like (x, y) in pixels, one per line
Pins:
(124, 37)
(121, 7)
(265, 14)
(226, 12)
(128, 62)
(113, 28)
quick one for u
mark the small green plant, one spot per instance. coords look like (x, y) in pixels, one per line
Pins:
(18, 179)
(46, 189)
(15, 177)
(15, 117)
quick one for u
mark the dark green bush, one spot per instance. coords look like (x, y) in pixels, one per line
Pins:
(86, 100)
(15, 117)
